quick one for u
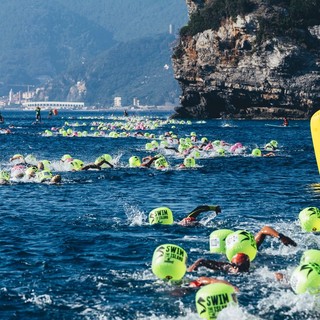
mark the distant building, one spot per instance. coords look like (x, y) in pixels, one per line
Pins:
(171, 29)
(136, 102)
(117, 102)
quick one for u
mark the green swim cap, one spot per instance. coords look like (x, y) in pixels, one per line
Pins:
(149, 146)
(218, 240)
(256, 152)
(189, 162)
(161, 162)
(31, 171)
(161, 215)
(46, 164)
(169, 262)
(77, 164)
(310, 219)
(306, 278)
(221, 152)
(5, 175)
(105, 157)
(43, 175)
(31, 159)
(274, 143)
(311, 255)
(134, 161)
(214, 297)
(65, 157)
(241, 241)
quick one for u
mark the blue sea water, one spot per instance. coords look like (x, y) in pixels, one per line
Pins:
(82, 249)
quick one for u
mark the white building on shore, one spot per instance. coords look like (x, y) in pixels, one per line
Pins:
(47, 105)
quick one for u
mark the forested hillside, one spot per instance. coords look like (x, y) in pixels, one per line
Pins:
(42, 40)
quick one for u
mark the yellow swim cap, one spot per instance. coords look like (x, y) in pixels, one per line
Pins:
(161, 215)
(134, 161)
(169, 262)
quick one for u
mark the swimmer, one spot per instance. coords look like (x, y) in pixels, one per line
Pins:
(56, 179)
(163, 215)
(97, 166)
(240, 262)
(191, 218)
(38, 114)
(4, 177)
(134, 161)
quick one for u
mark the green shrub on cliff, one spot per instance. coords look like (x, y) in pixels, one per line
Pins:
(284, 16)
(213, 13)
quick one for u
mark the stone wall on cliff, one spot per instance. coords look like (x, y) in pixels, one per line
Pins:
(229, 73)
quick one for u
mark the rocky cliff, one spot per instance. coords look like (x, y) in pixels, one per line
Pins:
(246, 68)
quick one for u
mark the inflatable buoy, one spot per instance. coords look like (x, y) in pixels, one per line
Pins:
(162, 215)
(310, 219)
(212, 298)
(241, 241)
(315, 134)
(169, 262)
(311, 255)
(306, 278)
(218, 240)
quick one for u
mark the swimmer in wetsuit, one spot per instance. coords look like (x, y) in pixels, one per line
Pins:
(163, 215)
(191, 218)
(241, 262)
(38, 114)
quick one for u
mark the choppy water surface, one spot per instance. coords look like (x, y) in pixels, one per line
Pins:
(83, 249)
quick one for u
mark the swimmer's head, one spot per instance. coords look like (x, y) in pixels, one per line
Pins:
(56, 178)
(161, 163)
(306, 278)
(189, 162)
(169, 262)
(274, 143)
(214, 297)
(241, 241)
(65, 157)
(310, 219)
(161, 215)
(31, 159)
(134, 161)
(5, 175)
(218, 240)
(256, 152)
(241, 261)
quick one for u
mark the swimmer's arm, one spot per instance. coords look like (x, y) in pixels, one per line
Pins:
(195, 212)
(90, 166)
(17, 157)
(210, 264)
(149, 162)
(99, 164)
(172, 148)
(202, 281)
(268, 231)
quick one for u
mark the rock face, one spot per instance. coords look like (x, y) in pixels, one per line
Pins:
(229, 73)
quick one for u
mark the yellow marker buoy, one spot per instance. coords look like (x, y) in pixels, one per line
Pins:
(315, 134)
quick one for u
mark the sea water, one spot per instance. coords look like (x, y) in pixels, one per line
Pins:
(82, 249)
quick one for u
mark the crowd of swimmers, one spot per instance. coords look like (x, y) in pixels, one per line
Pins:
(240, 247)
